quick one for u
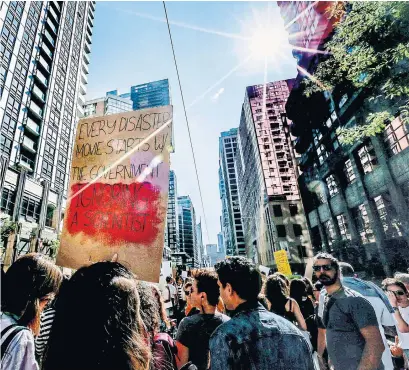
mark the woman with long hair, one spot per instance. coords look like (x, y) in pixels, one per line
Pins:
(29, 285)
(165, 324)
(276, 292)
(299, 291)
(97, 323)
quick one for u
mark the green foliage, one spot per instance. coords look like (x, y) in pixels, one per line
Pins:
(370, 51)
(53, 246)
(7, 228)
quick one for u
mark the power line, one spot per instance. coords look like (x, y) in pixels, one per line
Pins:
(187, 122)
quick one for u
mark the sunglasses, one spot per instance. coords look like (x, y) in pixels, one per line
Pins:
(397, 292)
(324, 267)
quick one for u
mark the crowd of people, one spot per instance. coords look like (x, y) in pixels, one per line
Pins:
(229, 317)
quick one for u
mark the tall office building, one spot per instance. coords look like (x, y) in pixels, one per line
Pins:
(269, 196)
(232, 226)
(200, 246)
(172, 229)
(44, 56)
(150, 94)
(214, 254)
(187, 230)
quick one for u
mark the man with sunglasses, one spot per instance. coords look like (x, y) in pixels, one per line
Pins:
(353, 339)
(399, 299)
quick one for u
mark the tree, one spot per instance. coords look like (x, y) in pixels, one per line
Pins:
(369, 52)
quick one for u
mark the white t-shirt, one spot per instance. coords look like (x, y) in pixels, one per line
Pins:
(404, 337)
(169, 294)
(20, 352)
(385, 318)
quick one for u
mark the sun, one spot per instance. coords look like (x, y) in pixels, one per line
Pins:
(267, 41)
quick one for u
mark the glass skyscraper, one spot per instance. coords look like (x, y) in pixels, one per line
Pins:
(149, 95)
(187, 230)
(44, 56)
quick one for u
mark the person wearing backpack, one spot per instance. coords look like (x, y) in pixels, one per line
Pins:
(28, 286)
(194, 332)
(164, 350)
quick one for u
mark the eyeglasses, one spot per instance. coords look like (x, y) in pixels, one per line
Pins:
(397, 292)
(317, 268)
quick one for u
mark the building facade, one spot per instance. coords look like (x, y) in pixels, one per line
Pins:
(200, 247)
(270, 201)
(150, 94)
(355, 196)
(232, 226)
(214, 254)
(45, 53)
(110, 104)
(172, 220)
(187, 230)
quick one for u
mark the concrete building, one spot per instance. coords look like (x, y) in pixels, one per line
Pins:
(270, 201)
(355, 197)
(172, 220)
(110, 104)
(187, 231)
(232, 226)
(214, 254)
(220, 242)
(45, 53)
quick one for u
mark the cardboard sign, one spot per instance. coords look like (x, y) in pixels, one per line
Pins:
(118, 191)
(282, 262)
(184, 274)
(264, 269)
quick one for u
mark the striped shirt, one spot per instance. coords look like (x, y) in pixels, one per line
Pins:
(46, 322)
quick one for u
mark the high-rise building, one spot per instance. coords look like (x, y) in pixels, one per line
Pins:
(269, 197)
(200, 246)
(355, 196)
(220, 243)
(45, 53)
(110, 104)
(150, 94)
(172, 229)
(232, 226)
(214, 254)
(187, 230)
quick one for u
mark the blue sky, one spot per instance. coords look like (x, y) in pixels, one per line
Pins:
(130, 45)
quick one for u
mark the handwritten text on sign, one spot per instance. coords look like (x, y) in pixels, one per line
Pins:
(118, 191)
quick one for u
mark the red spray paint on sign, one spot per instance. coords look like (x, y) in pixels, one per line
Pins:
(117, 212)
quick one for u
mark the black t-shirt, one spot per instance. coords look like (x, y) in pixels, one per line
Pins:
(194, 333)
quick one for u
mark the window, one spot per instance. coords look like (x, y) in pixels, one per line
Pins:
(47, 170)
(277, 210)
(5, 144)
(49, 152)
(343, 227)
(293, 209)
(387, 214)
(302, 251)
(349, 171)
(330, 231)
(367, 157)
(332, 185)
(297, 229)
(281, 231)
(363, 225)
(7, 201)
(30, 208)
(396, 136)
(49, 216)
(322, 153)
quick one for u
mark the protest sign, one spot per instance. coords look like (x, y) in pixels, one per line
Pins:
(264, 269)
(118, 192)
(282, 262)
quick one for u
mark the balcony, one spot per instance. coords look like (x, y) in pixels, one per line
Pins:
(49, 38)
(44, 64)
(85, 68)
(86, 58)
(87, 47)
(31, 126)
(40, 77)
(80, 111)
(90, 21)
(88, 38)
(51, 26)
(26, 162)
(47, 51)
(92, 5)
(84, 79)
(83, 89)
(29, 144)
(56, 6)
(38, 93)
(54, 15)
(36, 109)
